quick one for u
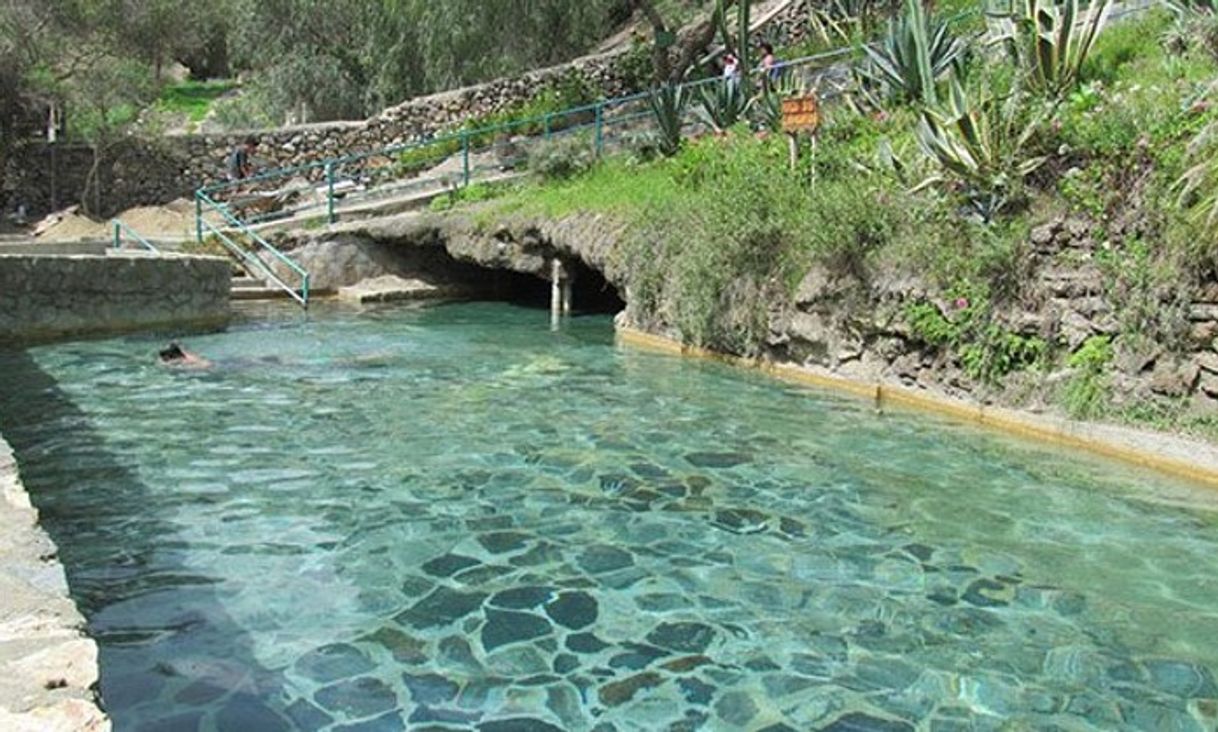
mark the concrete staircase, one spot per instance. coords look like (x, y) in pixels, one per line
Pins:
(248, 288)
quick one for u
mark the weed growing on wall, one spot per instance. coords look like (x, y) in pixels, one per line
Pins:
(1086, 394)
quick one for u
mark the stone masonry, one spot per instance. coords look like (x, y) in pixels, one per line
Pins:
(51, 296)
(140, 172)
(48, 667)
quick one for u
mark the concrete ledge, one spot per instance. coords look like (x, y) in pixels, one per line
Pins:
(1177, 456)
(48, 667)
(46, 297)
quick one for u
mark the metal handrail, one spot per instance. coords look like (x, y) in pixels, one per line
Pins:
(248, 259)
(121, 228)
(464, 135)
(466, 139)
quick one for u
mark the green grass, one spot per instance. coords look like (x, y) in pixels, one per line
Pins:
(193, 98)
(723, 230)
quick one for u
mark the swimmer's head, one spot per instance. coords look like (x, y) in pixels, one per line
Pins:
(173, 353)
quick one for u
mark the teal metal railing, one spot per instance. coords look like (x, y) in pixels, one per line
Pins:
(122, 233)
(451, 160)
(475, 154)
(251, 255)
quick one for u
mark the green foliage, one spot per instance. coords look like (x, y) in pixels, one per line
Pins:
(987, 351)
(767, 106)
(1198, 185)
(668, 103)
(916, 53)
(982, 145)
(348, 58)
(1145, 286)
(1052, 42)
(192, 98)
(845, 22)
(734, 34)
(562, 157)
(1086, 394)
(473, 193)
(723, 103)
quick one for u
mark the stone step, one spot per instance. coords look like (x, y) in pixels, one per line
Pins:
(258, 293)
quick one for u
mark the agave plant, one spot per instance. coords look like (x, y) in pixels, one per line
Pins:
(1198, 186)
(916, 53)
(981, 144)
(842, 22)
(668, 103)
(767, 107)
(723, 103)
(1051, 42)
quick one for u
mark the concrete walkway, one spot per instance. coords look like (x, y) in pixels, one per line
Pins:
(48, 666)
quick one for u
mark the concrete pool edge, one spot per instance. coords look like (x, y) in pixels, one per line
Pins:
(1170, 454)
(48, 665)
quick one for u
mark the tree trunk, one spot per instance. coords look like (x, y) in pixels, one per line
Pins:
(672, 64)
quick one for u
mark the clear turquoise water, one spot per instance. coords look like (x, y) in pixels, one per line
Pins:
(452, 518)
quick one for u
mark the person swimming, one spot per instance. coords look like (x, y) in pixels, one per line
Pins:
(175, 355)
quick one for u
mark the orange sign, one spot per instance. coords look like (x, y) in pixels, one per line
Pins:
(801, 114)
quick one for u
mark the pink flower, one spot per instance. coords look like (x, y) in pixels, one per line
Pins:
(961, 303)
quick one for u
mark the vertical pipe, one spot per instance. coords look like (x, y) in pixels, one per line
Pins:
(199, 216)
(600, 128)
(465, 158)
(567, 287)
(118, 234)
(555, 292)
(330, 192)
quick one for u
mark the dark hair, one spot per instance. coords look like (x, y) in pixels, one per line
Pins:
(768, 48)
(251, 141)
(172, 353)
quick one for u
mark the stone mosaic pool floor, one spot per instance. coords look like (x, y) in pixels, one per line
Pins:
(451, 519)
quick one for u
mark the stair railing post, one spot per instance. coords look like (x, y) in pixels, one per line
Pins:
(199, 216)
(465, 158)
(118, 235)
(600, 128)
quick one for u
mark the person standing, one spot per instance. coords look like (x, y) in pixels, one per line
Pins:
(769, 63)
(239, 165)
(731, 69)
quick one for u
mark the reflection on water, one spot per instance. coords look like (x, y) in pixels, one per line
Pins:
(453, 517)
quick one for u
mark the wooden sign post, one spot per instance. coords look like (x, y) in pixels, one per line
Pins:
(800, 114)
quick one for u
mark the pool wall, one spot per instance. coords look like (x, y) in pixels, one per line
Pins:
(44, 297)
(1169, 454)
(48, 666)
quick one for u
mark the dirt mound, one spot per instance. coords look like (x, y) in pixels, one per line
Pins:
(68, 225)
(173, 220)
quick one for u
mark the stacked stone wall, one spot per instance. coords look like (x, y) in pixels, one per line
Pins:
(51, 296)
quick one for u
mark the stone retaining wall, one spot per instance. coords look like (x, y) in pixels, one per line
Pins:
(48, 667)
(142, 173)
(50, 296)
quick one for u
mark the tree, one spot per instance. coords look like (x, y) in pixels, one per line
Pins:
(673, 55)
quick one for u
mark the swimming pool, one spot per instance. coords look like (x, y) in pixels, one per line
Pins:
(450, 517)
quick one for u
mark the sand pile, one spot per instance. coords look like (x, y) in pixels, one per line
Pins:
(68, 225)
(172, 221)
(175, 220)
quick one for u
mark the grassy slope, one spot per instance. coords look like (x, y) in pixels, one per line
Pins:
(723, 229)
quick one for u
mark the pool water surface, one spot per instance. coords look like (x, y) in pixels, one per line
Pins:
(452, 518)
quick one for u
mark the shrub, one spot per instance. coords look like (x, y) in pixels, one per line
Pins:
(562, 157)
(1086, 394)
